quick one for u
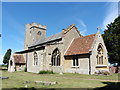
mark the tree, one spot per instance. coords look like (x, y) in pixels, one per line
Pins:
(111, 38)
(7, 57)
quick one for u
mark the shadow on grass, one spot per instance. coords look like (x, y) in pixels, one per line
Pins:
(34, 89)
(3, 69)
(111, 85)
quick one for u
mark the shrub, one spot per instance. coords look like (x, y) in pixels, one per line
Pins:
(46, 72)
(102, 72)
(3, 65)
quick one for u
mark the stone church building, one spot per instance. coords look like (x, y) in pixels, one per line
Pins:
(64, 52)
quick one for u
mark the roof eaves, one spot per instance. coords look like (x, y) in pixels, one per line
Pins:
(44, 43)
(89, 53)
(48, 39)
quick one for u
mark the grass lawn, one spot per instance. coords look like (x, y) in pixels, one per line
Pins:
(67, 80)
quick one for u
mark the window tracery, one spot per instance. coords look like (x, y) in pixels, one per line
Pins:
(55, 58)
(100, 55)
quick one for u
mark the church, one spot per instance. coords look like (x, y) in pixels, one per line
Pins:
(64, 52)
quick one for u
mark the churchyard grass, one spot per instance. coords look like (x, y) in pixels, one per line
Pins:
(67, 80)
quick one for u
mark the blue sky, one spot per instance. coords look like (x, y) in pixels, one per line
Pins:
(87, 16)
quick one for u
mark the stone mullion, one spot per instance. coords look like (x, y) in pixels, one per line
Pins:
(56, 60)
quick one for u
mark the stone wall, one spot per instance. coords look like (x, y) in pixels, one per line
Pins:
(30, 61)
(98, 40)
(47, 59)
(83, 67)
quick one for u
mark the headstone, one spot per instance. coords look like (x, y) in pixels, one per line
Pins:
(46, 83)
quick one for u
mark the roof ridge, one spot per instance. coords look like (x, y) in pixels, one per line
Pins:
(64, 31)
(86, 36)
(71, 26)
(89, 35)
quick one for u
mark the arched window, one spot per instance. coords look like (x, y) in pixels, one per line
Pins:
(55, 58)
(100, 55)
(35, 58)
(38, 33)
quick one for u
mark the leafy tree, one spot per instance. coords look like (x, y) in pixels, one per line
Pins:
(7, 56)
(111, 38)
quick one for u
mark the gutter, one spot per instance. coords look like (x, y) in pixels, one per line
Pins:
(77, 54)
(29, 50)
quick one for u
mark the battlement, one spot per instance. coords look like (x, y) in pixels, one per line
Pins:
(34, 32)
(37, 25)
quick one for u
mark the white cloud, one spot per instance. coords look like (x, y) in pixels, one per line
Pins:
(111, 14)
(83, 27)
(83, 32)
(82, 23)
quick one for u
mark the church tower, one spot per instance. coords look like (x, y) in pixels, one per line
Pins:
(33, 33)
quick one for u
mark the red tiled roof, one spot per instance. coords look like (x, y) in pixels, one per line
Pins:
(18, 58)
(81, 45)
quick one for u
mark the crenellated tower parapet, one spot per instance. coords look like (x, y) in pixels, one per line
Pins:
(34, 32)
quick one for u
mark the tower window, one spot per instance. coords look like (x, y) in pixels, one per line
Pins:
(39, 33)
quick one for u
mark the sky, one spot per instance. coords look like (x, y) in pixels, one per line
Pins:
(87, 16)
